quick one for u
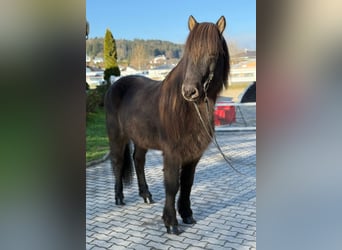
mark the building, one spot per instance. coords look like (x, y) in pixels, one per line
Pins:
(243, 72)
(160, 72)
(246, 55)
(161, 59)
(98, 59)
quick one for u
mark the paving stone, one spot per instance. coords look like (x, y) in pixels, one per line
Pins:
(223, 203)
(215, 241)
(246, 237)
(236, 246)
(195, 243)
(101, 243)
(175, 244)
(120, 242)
(118, 235)
(97, 248)
(195, 248)
(157, 245)
(192, 235)
(89, 239)
(215, 247)
(225, 233)
(138, 247)
(102, 237)
(242, 230)
(138, 240)
(249, 243)
(153, 233)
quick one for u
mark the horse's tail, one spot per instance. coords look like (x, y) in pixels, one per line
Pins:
(127, 170)
(112, 102)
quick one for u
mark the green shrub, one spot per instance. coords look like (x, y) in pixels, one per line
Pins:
(114, 71)
(93, 101)
(101, 90)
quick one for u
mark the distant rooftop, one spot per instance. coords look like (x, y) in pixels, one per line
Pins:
(165, 66)
(246, 53)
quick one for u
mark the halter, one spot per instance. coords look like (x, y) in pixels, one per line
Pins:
(206, 83)
(212, 138)
(210, 77)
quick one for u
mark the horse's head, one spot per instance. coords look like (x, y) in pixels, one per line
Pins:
(206, 59)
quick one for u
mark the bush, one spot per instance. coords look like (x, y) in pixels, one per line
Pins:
(95, 97)
(93, 101)
(101, 90)
(114, 71)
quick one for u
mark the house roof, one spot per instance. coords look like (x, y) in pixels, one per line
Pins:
(246, 53)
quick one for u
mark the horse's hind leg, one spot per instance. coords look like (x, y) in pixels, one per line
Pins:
(117, 165)
(186, 181)
(139, 157)
(120, 161)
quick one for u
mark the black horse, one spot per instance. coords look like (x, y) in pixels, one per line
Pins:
(162, 116)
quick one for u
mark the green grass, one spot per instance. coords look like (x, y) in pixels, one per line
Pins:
(96, 136)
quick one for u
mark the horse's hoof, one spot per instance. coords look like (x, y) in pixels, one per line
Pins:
(119, 202)
(148, 200)
(189, 220)
(173, 230)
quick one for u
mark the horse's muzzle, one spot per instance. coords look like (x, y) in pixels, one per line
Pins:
(190, 93)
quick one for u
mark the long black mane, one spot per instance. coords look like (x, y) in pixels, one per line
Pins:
(177, 115)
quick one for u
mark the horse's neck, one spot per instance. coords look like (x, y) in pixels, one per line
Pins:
(176, 75)
(171, 86)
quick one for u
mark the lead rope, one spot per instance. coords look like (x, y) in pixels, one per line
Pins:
(213, 138)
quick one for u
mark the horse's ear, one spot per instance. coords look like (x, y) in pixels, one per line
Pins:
(221, 24)
(192, 22)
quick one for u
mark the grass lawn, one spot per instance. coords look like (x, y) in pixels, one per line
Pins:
(96, 136)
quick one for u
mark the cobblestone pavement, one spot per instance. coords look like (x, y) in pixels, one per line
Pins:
(223, 203)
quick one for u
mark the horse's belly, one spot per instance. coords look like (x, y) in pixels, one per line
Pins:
(144, 136)
(146, 142)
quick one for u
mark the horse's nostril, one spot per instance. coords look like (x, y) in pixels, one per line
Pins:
(194, 93)
(190, 92)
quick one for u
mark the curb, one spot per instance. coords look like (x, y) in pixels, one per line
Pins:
(95, 162)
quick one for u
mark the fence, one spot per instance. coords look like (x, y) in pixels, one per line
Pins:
(230, 116)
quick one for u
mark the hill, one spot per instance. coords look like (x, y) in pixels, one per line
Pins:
(128, 50)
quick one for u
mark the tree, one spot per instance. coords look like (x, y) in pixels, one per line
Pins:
(110, 56)
(233, 47)
(138, 58)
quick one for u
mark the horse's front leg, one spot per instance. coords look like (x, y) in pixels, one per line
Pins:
(186, 181)
(139, 157)
(171, 182)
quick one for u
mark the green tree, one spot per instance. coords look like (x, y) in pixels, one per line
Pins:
(110, 56)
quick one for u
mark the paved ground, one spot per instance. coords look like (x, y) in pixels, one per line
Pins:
(223, 202)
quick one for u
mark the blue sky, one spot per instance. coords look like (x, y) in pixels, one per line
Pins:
(167, 20)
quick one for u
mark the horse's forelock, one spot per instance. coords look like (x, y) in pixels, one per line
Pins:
(204, 39)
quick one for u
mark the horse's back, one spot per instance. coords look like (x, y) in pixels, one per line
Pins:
(129, 86)
(131, 106)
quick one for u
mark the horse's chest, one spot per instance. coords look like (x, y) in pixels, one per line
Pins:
(192, 145)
